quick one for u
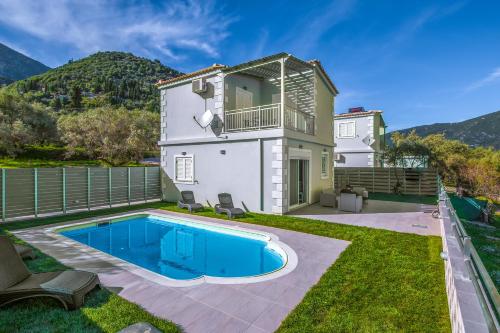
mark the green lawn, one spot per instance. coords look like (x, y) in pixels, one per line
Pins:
(485, 237)
(421, 199)
(383, 282)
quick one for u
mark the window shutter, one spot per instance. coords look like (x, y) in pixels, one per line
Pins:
(188, 171)
(180, 166)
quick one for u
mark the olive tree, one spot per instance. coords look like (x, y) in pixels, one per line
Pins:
(117, 136)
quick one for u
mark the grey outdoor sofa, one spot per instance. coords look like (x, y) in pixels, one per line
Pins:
(17, 283)
(188, 202)
(225, 206)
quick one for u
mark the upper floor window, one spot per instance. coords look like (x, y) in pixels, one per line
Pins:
(184, 168)
(324, 164)
(347, 129)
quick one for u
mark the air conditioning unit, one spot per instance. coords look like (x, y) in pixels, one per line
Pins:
(199, 86)
(337, 157)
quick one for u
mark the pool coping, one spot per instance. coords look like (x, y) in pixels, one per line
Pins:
(291, 259)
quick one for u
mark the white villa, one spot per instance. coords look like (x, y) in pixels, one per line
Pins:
(359, 138)
(261, 131)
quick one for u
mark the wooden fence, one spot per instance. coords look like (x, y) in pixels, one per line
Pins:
(35, 192)
(413, 181)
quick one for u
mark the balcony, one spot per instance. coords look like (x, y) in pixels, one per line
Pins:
(268, 116)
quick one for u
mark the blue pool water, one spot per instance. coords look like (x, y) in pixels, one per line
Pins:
(179, 251)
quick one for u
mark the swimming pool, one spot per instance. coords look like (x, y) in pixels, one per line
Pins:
(182, 249)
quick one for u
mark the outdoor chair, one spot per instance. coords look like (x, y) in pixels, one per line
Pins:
(24, 251)
(188, 202)
(17, 283)
(225, 206)
(361, 191)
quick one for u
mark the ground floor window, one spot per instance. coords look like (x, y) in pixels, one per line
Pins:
(184, 168)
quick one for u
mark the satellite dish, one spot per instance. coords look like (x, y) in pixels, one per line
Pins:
(205, 120)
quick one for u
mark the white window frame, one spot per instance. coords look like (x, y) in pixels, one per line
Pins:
(347, 123)
(325, 173)
(184, 180)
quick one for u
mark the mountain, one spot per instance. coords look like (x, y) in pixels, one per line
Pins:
(480, 131)
(5, 81)
(104, 78)
(16, 66)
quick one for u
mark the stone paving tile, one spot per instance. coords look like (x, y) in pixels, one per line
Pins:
(234, 325)
(215, 321)
(254, 329)
(271, 318)
(255, 307)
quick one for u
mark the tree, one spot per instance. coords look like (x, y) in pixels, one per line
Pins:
(75, 96)
(23, 124)
(407, 151)
(117, 136)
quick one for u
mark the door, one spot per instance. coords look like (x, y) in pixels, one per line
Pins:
(244, 98)
(299, 182)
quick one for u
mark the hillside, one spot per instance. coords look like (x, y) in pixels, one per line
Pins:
(481, 131)
(104, 78)
(5, 81)
(16, 66)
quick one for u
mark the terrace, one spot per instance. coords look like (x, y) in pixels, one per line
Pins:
(341, 276)
(279, 93)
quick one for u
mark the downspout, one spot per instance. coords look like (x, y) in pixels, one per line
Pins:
(261, 174)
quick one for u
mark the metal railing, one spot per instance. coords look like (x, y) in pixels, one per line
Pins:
(299, 121)
(268, 116)
(254, 118)
(485, 288)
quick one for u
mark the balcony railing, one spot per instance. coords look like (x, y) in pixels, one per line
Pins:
(299, 121)
(267, 116)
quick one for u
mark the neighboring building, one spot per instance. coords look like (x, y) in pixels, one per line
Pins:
(360, 138)
(241, 130)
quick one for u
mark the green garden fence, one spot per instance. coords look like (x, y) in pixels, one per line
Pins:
(35, 192)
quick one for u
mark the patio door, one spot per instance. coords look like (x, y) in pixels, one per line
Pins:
(299, 182)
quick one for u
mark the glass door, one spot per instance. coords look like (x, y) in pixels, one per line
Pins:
(299, 181)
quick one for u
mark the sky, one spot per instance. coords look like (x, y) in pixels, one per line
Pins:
(419, 61)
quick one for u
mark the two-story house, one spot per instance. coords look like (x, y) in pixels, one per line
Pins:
(261, 131)
(359, 138)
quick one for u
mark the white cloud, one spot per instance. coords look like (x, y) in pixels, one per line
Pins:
(493, 76)
(92, 26)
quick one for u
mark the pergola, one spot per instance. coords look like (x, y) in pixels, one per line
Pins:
(297, 94)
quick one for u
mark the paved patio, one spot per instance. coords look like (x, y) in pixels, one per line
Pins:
(395, 216)
(255, 307)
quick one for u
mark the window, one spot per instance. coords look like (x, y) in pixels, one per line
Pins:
(184, 168)
(324, 165)
(347, 130)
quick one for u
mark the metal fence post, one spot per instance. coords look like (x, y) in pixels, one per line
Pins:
(145, 184)
(128, 185)
(64, 189)
(389, 183)
(88, 189)
(110, 187)
(373, 179)
(35, 181)
(4, 210)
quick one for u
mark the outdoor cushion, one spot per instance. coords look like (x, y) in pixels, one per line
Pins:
(13, 270)
(68, 282)
(24, 251)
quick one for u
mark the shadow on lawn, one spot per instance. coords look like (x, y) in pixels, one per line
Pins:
(48, 315)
